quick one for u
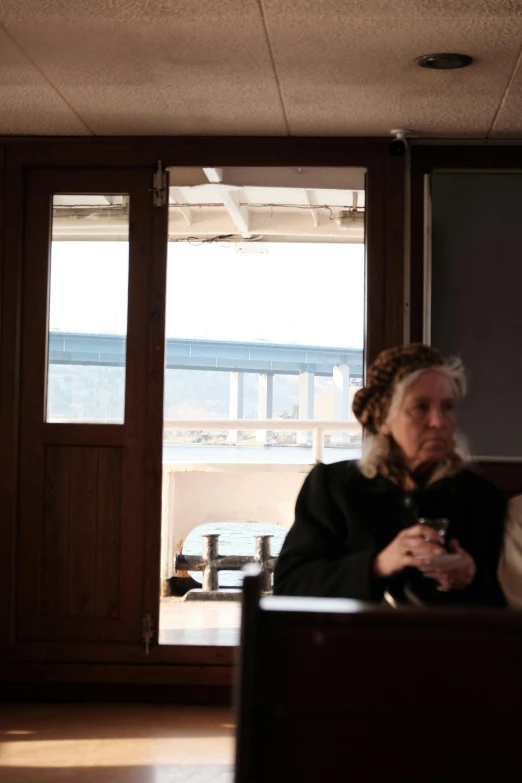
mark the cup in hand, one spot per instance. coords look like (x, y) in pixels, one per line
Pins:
(439, 524)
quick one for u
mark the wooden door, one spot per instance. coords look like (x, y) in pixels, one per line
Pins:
(89, 504)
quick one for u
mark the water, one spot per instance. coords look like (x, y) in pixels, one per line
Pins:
(253, 454)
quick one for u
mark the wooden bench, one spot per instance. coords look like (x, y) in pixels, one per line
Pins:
(334, 690)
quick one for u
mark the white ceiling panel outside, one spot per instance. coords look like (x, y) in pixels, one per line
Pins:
(235, 212)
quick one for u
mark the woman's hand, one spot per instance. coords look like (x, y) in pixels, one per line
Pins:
(410, 547)
(455, 576)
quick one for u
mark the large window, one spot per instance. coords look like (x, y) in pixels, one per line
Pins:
(265, 336)
(275, 335)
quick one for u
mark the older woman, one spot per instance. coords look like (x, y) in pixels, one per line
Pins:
(357, 533)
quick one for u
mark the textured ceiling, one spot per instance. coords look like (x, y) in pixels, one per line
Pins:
(258, 67)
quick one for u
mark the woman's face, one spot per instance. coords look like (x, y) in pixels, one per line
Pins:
(424, 425)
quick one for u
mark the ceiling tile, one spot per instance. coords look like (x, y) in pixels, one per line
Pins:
(508, 124)
(173, 67)
(28, 103)
(348, 68)
(158, 68)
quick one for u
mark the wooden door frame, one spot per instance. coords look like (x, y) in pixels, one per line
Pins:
(126, 441)
(385, 200)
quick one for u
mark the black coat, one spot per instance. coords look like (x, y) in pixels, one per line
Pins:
(344, 519)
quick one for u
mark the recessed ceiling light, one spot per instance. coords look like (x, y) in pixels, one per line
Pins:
(444, 62)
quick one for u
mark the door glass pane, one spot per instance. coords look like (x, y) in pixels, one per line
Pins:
(88, 309)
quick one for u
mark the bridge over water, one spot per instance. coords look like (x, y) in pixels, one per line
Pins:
(225, 356)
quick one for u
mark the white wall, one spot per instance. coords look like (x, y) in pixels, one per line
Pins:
(193, 495)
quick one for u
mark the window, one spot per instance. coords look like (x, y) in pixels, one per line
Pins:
(88, 309)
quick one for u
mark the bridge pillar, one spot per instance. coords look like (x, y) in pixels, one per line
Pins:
(306, 404)
(266, 403)
(235, 408)
(341, 387)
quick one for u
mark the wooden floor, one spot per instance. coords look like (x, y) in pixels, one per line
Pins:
(109, 743)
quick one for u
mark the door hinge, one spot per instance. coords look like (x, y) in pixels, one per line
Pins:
(160, 189)
(147, 631)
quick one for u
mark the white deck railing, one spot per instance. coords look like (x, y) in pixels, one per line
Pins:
(316, 426)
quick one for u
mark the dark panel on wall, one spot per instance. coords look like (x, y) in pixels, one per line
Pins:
(476, 305)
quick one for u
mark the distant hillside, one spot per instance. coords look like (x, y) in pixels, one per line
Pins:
(97, 394)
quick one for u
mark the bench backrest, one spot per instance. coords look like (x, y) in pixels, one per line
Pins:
(336, 690)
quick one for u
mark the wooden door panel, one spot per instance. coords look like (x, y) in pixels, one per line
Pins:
(82, 522)
(89, 494)
(109, 533)
(77, 593)
(55, 549)
(81, 532)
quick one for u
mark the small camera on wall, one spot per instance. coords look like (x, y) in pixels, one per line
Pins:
(399, 146)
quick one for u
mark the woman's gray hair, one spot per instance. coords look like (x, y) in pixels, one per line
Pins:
(378, 448)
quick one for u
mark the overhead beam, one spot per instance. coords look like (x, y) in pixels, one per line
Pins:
(313, 212)
(175, 198)
(231, 201)
(214, 175)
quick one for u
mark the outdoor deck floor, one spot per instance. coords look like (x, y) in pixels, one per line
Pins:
(199, 622)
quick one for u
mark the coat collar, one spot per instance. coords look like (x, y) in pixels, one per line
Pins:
(381, 485)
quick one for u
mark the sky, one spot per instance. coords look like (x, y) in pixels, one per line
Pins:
(302, 293)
